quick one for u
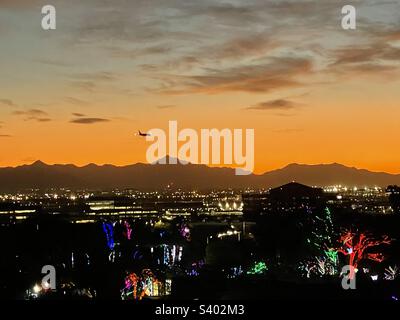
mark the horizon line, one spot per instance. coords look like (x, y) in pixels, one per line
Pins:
(199, 164)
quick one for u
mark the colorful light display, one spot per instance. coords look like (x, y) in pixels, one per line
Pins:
(235, 272)
(139, 286)
(322, 231)
(333, 256)
(194, 271)
(318, 267)
(325, 266)
(258, 268)
(391, 273)
(307, 268)
(108, 229)
(355, 246)
(128, 230)
(172, 254)
(184, 230)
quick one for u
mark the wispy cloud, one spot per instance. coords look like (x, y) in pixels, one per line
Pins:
(279, 104)
(122, 52)
(76, 114)
(30, 112)
(7, 102)
(376, 51)
(376, 56)
(89, 120)
(243, 47)
(90, 81)
(42, 119)
(33, 114)
(275, 74)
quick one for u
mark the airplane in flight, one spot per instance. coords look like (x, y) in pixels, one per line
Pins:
(140, 133)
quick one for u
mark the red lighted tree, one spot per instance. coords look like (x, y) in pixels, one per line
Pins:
(355, 245)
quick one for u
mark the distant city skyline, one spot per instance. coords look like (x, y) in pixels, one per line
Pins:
(313, 92)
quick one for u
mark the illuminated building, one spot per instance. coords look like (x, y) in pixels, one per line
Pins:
(14, 212)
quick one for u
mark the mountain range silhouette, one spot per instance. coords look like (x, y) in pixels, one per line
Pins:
(40, 175)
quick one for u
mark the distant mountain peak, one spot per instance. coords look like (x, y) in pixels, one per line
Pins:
(39, 163)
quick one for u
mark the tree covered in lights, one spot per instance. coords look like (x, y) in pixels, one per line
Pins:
(356, 247)
(258, 268)
(318, 267)
(321, 229)
(108, 229)
(139, 286)
(322, 235)
(392, 273)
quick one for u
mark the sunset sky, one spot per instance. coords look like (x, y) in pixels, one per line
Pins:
(313, 92)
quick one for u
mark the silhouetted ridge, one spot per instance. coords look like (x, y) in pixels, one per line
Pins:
(193, 176)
